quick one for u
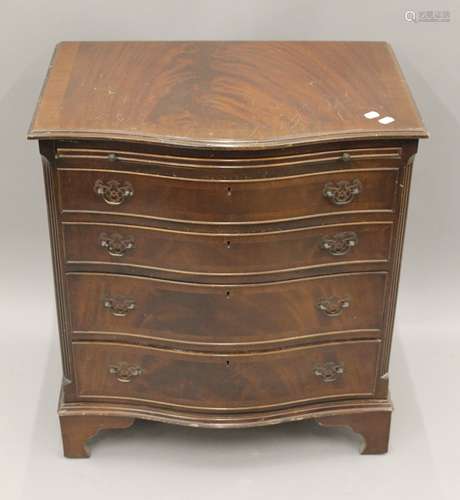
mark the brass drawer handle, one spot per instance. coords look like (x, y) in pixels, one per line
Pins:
(328, 371)
(342, 192)
(333, 306)
(119, 306)
(116, 244)
(340, 243)
(125, 372)
(112, 192)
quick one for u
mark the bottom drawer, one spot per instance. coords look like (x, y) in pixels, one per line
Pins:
(225, 382)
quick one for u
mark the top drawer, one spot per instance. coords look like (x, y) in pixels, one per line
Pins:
(120, 192)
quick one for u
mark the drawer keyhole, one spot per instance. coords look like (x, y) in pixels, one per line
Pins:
(227, 363)
(228, 244)
(229, 191)
(227, 294)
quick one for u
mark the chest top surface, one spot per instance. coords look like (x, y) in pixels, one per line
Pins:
(225, 94)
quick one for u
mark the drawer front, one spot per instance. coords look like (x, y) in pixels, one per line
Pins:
(226, 315)
(225, 382)
(216, 254)
(193, 200)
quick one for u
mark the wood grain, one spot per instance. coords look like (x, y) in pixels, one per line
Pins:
(224, 94)
(259, 200)
(221, 153)
(374, 427)
(232, 317)
(76, 430)
(225, 382)
(225, 420)
(191, 253)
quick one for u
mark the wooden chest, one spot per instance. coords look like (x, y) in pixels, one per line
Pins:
(226, 223)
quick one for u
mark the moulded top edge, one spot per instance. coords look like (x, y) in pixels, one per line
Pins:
(225, 95)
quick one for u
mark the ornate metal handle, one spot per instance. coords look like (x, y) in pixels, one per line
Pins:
(333, 306)
(116, 244)
(112, 192)
(119, 306)
(125, 372)
(328, 371)
(342, 192)
(340, 243)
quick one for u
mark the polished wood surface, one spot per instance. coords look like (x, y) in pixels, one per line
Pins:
(369, 417)
(374, 427)
(226, 254)
(234, 317)
(257, 200)
(262, 162)
(224, 382)
(76, 430)
(224, 94)
(227, 231)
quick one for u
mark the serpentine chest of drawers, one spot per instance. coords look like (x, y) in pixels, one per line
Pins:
(226, 223)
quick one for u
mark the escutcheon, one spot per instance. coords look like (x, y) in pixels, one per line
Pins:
(342, 192)
(116, 244)
(329, 371)
(113, 192)
(119, 306)
(339, 243)
(125, 372)
(333, 306)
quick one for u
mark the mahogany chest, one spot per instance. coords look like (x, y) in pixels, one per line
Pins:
(226, 224)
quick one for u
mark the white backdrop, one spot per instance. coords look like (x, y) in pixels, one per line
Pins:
(294, 460)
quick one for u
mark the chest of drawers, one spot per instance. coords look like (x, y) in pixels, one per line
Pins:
(226, 223)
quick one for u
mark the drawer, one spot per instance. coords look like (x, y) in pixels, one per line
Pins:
(221, 315)
(225, 382)
(227, 201)
(235, 254)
